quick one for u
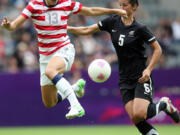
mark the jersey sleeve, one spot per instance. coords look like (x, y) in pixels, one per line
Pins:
(76, 7)
(147, 35)
(105, 24)
(28, 11)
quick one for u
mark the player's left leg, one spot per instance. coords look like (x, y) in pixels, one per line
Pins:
(145, 91)
(78, 88)
(170, 109)
(139, 117)
(144, 107)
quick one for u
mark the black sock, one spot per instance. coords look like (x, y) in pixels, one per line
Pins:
(59, 98)
(144, 127)
(154, 109)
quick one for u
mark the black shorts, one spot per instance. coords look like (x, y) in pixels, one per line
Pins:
(132, 90)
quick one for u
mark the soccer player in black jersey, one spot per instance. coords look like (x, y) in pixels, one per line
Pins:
(129, 38)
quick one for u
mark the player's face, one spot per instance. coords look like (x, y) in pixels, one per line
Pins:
(52, 2)
(124, 4)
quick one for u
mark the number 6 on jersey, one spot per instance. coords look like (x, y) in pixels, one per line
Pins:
(121, 40)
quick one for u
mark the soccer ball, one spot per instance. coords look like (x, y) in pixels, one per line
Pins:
(99, 70)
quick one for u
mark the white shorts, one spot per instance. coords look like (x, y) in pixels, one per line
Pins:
(67, 53)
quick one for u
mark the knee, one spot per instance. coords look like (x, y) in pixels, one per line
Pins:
(47, 105)
(49, 72)
(139, 114)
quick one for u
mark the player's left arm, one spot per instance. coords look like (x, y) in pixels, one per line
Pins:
(157, 52)
(98, 11)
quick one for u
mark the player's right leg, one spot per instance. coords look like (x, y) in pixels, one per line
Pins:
(51, 74)
(49, 96)
(143, 126)
(128, 99)
(58, 64)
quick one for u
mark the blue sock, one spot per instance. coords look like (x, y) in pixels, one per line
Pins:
(56, 79)
(59, 98)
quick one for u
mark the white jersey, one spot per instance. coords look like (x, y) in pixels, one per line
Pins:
(51, 23)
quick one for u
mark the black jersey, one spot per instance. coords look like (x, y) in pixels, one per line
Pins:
(129, 43)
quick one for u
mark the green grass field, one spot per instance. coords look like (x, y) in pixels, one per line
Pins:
(86, 130)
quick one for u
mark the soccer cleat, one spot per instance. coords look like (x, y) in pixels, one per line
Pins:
(81, 84)
(170, 109)
(75, 111)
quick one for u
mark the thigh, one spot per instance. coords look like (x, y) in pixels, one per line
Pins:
(145, 90)
(127, 95)
(56, 65)
(51, 65)
(44, 80)
(67, 53)
(129, 108)
(49, 94)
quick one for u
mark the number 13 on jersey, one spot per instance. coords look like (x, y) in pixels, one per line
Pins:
(53, 18)
(121, 40)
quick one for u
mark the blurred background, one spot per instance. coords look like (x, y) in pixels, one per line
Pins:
(20, 96)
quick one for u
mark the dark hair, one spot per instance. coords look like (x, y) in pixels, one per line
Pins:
(133, 2)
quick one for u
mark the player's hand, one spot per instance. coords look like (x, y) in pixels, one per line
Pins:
(5, 23)
(145, 76)
(122, 13)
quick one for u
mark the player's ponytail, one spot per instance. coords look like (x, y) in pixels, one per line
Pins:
(133, 2)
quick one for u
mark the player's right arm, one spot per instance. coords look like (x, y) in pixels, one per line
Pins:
(11, 26)
(84, 30)
(98, 11)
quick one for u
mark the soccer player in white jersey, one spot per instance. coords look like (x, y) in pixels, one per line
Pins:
(56, 52)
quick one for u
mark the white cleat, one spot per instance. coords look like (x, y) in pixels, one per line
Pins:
(75, 111)
(170, 109)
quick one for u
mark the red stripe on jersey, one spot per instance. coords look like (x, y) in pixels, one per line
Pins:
(67, 8)
(61, 1)
(38, 3)
(24, 15)
(38, 11)
(73, 4)
(40, 18)
(49, 45)
(64, 18)
(80, 7)
(51, 52)
(50, 27)
(52, 36)
(30, 8)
